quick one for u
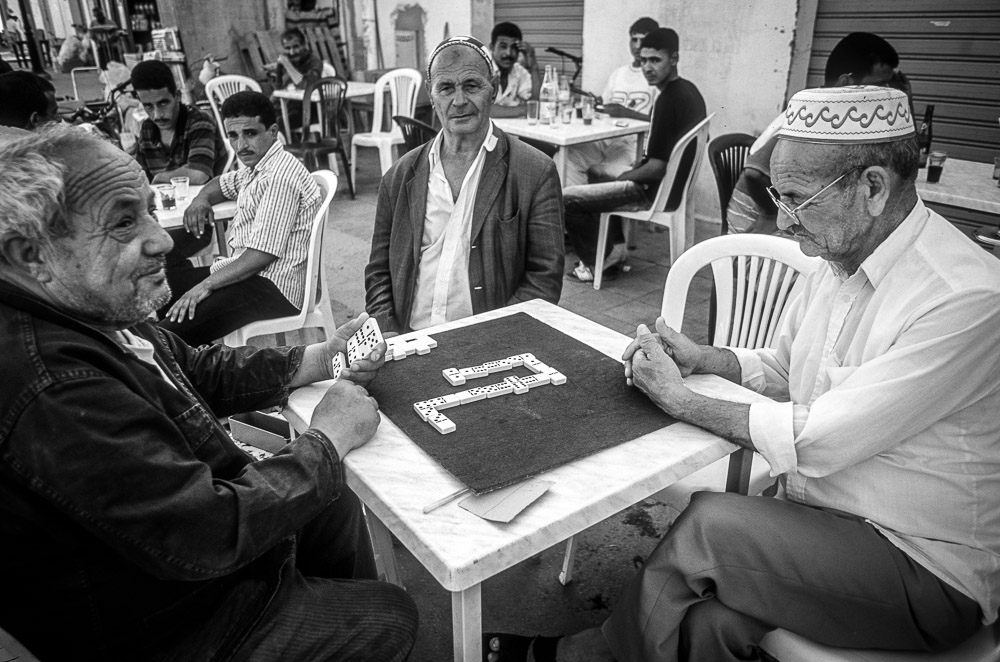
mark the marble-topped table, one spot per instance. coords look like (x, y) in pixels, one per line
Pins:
(222, 212)
(564, 135)
(355, 89)
(395, 480)
(963, 184)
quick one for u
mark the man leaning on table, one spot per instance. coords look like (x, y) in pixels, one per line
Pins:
(276, 201)
(884, 427)
(296, 67)
(678, 108)
(133, 527)
(470, 222)
(175, 140)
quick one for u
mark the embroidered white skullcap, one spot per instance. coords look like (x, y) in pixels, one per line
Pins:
(470, 42)
(855, 114)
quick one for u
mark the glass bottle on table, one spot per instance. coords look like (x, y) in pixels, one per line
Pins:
(925, 135)
(548, 96)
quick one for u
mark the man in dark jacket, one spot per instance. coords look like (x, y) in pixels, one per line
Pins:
(132, 524)
(473, 220)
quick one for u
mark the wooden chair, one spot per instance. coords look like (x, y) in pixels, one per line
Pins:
(402, 85)
(669, 206)
(218, 90)
(311, 314)
(755, 278)
(330, 93)
(415, 132)
(727, 154)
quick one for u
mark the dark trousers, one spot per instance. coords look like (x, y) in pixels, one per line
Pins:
(186, 245)
(227, 308)
(583, 207)
(732, 568)
(329, 607)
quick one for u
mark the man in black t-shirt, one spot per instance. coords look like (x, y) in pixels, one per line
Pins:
(678, 108)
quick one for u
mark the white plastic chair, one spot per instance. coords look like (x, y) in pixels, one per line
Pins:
(755, 278)
(218, 90)
(402, 85)
(658, 214)
(311, 314)
(984, 646)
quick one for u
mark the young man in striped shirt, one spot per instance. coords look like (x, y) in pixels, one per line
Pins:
(277, 199)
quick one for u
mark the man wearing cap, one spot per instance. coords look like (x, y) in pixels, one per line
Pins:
(884, 431)
(470, 222)
(860, 58)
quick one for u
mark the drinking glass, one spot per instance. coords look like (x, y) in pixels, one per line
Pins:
(180, 187)
(533, 112)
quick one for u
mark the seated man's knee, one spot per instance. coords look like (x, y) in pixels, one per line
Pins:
(711, 630)
(713, 513)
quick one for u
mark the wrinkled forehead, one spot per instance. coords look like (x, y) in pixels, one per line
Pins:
(95, 181)
(455, 60)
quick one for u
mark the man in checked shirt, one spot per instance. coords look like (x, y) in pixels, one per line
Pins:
(264, 276)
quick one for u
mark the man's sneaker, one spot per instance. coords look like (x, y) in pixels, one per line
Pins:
(581, 273)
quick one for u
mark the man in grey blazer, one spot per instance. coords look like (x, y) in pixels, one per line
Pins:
(471, 221)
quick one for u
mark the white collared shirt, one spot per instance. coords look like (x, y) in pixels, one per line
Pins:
(892, 377)
(442, 290)
(518, 88)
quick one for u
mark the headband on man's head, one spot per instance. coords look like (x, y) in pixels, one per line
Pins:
(468, 42)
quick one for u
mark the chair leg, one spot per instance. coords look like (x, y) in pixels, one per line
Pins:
(348, 170)
(602, 239)
(354, 162)
(677, 236)
(385, 157)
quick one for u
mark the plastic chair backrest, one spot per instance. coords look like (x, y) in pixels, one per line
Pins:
(218, 90)
(415, 132)
(727, 154)
(327, 182)
(221, 88)
(755, 278)
(331, 92)
(682, 168)
(402, 85)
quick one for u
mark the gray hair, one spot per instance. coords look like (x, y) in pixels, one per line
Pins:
(32, 177)
(898, 156)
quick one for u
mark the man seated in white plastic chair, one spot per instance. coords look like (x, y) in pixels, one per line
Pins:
(884, 428)
(678, 109)
(265, 274)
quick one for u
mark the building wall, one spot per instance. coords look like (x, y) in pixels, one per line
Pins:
(738, 54)
(453, 16)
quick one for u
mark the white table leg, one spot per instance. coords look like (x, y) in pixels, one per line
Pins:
(284, 115)
(560, 159)
(467, 624)
(640, 146)
(385, 559)
(566, 576)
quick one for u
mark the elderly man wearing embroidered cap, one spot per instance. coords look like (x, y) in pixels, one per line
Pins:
(884, 427)
(471, 221)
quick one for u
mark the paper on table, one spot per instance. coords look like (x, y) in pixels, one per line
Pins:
(503, 505)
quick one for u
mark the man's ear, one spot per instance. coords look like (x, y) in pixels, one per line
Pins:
(273, 130)
(674, 58)
(876, 185)
(843, 80)
(25, 255)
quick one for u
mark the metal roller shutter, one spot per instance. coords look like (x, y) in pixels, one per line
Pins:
(555, 23)
(949, 50)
